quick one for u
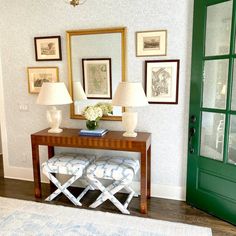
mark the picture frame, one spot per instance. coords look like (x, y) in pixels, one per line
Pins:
(48, 48)
(38, 75)
(162, 81)
(97, 81)
(151, 43)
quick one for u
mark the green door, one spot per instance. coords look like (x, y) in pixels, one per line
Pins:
(211, 181)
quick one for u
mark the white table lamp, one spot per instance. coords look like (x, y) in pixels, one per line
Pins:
(128, 95)
(54, 94)
(78, 95)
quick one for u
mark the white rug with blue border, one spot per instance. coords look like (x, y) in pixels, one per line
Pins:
(18, 217)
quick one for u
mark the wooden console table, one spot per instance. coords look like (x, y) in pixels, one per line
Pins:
(113, 140)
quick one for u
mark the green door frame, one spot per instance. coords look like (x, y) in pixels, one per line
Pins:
(206, 199)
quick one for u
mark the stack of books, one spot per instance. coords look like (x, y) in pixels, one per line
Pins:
(96, 132)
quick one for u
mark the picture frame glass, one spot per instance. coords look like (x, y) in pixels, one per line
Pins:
(97, 80)
(162, 81)
(151, 43)
(48, 48)
(39, 75)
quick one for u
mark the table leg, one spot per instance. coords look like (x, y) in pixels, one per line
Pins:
(36, 169)
(50, 155)
(149, 172)
(50, 151)
(143, 189)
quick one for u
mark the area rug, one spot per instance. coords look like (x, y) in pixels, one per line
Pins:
(18, 217)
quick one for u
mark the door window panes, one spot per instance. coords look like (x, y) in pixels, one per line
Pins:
(215, 83)
(218, 28)
(233, 104)
(212, 135)
(232, 141)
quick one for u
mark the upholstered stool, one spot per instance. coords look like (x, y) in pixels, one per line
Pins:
(68, 164)
(121, 171)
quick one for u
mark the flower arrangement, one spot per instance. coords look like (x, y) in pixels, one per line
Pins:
(94, 113)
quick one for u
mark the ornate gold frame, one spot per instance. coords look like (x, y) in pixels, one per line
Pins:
(71, 33)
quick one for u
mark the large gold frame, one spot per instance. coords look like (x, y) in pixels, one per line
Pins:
(71, 33)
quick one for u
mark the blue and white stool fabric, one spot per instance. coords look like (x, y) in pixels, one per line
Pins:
(121, 171)
(69, 164)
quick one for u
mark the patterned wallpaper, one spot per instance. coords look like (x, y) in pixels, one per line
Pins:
(21, 21)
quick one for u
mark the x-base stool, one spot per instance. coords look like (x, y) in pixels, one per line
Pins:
(121, 171)
(72, 164)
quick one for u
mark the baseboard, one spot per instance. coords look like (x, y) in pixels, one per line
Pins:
(158, 190)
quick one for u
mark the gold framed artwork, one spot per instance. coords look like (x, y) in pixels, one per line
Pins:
(162, 81)
(39, 75)
(97, 80)
(48, 48)
(151, 43)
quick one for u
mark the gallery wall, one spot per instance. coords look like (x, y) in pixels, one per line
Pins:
(21, 21)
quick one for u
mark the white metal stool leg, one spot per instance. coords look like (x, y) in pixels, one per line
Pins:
(107, 195)
(62, 188)
(112, 189)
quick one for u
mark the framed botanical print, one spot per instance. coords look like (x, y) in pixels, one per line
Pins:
(151, 43)
(39, 75)
(48, 48)
(162, 81)
(97, 81)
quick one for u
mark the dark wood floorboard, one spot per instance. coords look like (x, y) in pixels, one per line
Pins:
(161, 209)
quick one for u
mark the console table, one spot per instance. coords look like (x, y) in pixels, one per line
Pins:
(113, 140)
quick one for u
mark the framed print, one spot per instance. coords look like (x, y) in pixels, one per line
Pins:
(162, 81)
(151, 43)
(48, 48)
(38, 75)
(97, 81)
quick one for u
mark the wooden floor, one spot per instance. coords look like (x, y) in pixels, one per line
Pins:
(161, 209)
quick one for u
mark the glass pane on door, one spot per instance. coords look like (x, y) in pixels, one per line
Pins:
(215, 84)
(233, 103)
(218, 28)
(232, 141)
(212, 135)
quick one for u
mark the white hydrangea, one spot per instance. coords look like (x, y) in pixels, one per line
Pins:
(106, 108)
(92, 113)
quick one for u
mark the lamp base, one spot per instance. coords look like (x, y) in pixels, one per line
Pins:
(129, 122)
(54, 119)
(128, 134)
(56, 131)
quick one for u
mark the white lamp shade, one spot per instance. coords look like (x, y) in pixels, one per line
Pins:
(78, 92)
(129, 94)
(53, 94)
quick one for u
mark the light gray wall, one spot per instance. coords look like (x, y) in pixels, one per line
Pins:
(0, 141)
(21, 21)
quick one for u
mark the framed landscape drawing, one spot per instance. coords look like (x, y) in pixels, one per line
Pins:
(151, 43)
(48, 48)
(38, 75)
(162, 81)
(97, 81)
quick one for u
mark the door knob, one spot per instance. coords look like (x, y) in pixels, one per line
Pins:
(192, 132)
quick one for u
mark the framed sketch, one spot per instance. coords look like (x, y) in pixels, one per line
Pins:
(97, 81)
(48, 48)
(162, 81)
(151, 43)
(38, 75)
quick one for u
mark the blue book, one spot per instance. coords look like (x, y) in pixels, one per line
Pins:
(97, 132)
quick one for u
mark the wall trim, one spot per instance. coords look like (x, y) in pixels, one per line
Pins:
(158, 190)
(3, 121)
